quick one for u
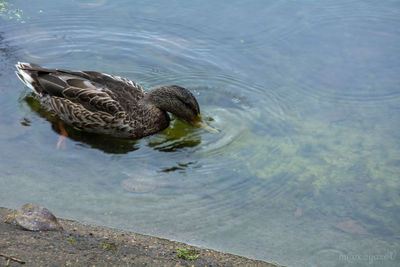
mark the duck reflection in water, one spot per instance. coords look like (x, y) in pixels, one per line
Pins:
(178, 136)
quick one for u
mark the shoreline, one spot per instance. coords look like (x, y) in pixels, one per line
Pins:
(83, 245)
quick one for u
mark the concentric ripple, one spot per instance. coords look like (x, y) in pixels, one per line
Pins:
(340, 51)
(152, 55)
(304, 94)
(360, 62)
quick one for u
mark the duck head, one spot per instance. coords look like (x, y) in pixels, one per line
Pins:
(180, 102)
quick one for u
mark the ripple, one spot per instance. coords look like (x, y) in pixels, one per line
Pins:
(183, 158)
(328, 257)
(63, 39)
(312, 15)
(153, 55)
(254, 76)
(343, 56)
(343, 51)
(355, 75)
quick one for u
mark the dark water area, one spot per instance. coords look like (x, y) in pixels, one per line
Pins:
(306, 168)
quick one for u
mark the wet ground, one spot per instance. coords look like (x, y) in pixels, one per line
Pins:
(83, 245)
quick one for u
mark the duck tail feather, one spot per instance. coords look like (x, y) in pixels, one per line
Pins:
(25, 75)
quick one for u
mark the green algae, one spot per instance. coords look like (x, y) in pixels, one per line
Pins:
(343, 168)
(8, 12)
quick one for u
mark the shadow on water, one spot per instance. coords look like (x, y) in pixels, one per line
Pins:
(174, 138)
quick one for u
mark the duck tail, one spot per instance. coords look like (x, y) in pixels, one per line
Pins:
(27, 73)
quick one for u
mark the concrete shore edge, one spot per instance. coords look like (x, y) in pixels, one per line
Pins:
(87, 245)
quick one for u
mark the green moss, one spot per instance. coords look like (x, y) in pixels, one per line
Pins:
(109, 246)
(187, 254)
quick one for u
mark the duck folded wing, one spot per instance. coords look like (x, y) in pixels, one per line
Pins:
(84, 119)
(79, 89)
(82, 86)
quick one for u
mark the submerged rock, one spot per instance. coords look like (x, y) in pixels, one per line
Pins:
(298, 212)
(34, 217)
(143, 182)
(139, 184)
(351, 226)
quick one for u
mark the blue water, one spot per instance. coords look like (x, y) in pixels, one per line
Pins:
(306, 168)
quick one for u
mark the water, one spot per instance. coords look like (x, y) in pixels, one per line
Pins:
(305, 171)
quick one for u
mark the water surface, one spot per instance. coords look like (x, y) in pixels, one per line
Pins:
(305, 170)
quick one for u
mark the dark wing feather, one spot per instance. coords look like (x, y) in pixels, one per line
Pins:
(94, 90)
(125, 91)
(92, 101)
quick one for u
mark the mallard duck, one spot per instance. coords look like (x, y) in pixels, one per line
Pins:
(107, 104)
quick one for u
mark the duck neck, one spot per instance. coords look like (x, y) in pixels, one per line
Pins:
(153, 115)
(158, 98)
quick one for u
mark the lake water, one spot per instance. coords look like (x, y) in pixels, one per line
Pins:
(306, 168)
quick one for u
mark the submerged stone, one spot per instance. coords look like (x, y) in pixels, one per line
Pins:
(351, 226)
(144, 181)
(139, 184)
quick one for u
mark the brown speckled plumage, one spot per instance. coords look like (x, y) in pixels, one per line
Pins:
(101, 103)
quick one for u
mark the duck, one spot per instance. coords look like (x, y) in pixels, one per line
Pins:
(101, 103)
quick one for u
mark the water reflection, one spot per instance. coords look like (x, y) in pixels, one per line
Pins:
(181, 167)
(176, 137)
(105, 143)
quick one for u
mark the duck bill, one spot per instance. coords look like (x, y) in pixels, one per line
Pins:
(200, 123)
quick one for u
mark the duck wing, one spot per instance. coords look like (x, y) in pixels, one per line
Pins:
(125, 92)
(95, 91)
(88, 100)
